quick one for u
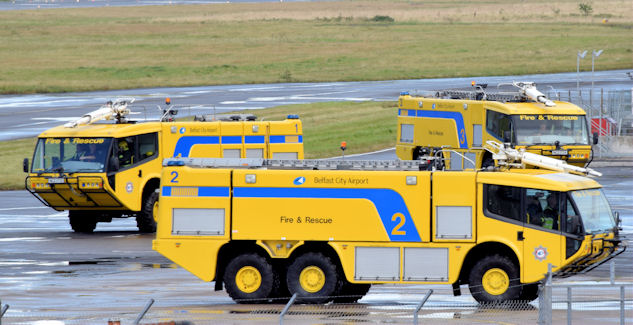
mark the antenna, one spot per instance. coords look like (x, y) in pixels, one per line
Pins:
(110, 110)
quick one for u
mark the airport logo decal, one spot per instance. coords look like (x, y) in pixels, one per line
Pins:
(299, 180)
(540, 253)
(182, 130)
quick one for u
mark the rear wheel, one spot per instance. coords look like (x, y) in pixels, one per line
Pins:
(249, 278)
(494, 279)
(82, 221)
(313, 277)
(147, 217)
(352, 292)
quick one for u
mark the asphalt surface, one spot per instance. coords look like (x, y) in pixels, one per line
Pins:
(49, 272)
(28, 115)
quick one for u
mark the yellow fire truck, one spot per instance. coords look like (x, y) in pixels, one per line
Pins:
(99, 170)
(465, 120)
(327, 230)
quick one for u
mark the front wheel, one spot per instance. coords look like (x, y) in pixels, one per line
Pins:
(494, 279)
(249, 278)
(82, 221)
(529, 292)
(147, 217)
(313, 277)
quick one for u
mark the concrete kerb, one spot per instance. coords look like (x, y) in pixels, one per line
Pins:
(612, 162)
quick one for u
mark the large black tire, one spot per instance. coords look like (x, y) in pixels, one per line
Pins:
(82, 221)
(351, 292)
(529, 292)
(494, 278)
(146, 218)
(313, 277)
(249, 278)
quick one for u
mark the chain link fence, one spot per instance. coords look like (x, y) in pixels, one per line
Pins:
(561, 302)
(610, 115)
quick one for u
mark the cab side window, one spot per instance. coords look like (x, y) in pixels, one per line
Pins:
(147, 146)
(499, 125)
(125, 151)
(543, 208)
(503, 201)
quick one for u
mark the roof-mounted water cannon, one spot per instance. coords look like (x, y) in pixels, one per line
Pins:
(169, 112)
(510, 157)
(528, 89)
(117, 110)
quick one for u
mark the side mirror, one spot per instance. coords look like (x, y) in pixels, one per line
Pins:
(114, 163)
(595, 138)
(25, 165)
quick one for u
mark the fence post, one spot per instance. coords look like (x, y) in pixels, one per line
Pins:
(612, 272)
(3, 309)
(569, 305)
(622, 296)
(419, 306)
(545, 300)
(142, 314)
(283, 312)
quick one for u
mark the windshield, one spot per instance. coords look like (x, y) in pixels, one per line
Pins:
(594, 210)
(546, 129)
(70, 155)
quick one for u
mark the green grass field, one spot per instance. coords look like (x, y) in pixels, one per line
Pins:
(364, 126)
(184, 45)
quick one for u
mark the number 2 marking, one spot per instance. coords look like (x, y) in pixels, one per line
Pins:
(175, 174)
(396, 230)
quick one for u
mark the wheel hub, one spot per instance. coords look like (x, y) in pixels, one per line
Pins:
(248, 279)
(155, 211)
(312, 279)
(495, 281)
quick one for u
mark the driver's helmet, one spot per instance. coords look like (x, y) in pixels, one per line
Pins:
(123, 146)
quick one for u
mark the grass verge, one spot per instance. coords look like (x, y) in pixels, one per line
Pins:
(365, 126)
(59, 50)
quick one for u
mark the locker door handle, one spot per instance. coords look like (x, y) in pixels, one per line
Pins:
(520, 235)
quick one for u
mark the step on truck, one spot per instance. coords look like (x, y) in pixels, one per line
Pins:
(105, 165)
(464, 120)
(327, 230)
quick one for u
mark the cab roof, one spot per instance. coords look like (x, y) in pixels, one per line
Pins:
(102, 130)
(538, 178)
(509, 107)
(561, 108)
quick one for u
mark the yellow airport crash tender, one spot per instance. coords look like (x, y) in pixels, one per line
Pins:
(99, 171)
(465, 120)
(327, 229)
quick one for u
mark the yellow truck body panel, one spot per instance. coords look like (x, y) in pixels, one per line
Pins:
(62, 179)
(380, 226)
(425, 125)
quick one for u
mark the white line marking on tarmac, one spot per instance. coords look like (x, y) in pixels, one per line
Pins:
(28, 124)
(24, 208)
